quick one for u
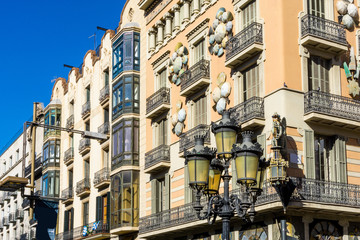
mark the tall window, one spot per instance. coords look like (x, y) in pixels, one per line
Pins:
(249, 14)
(102, 208)
(161, 133)
(51, 153)
(251, 82)
(68, 220)
(86, 168)
(106, 158)
(323, 147)
(17, 155)
(316, 8)
(87, 93)
(200, 111)
(160, 195)
(162, 78)
(85, 213)
(53, 118)
(126, 94)
(87, 126)
(318, 72)
(51, 184)
(71, 108)
(70, 178)
(124, 199)
(106, 78)
(199, 51)
(125, 143)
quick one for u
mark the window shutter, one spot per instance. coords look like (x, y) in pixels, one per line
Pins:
(98, 208)
(108, 208)
(261, 139)
(332, 175)
(167, 191)
(153, 196)
(188, 191)
(72, 219)
(340, 150)
(309, 154)
(66, 221)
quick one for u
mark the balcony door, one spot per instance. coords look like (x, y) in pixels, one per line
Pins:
(316, 8)
(200, 111)
(161, 79)
(318, 74)
(161, 132)
(251, 86)
(248, 13)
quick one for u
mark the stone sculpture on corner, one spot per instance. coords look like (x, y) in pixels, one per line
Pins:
(220, 31)
(352, 74)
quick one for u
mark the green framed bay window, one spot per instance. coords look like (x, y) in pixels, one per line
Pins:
(53, 118)
(51, 183)
(126, 94)
(51, 153)
(126, 53)
(124, 200)
(125, 143)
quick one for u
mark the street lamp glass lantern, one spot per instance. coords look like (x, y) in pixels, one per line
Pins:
(215, 172)
(260, 176)
(225, 135)
(247, 156)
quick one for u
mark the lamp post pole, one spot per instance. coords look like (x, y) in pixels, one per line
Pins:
(227, 213)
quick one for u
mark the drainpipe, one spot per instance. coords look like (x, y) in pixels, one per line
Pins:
(32, 158)
(283, 229)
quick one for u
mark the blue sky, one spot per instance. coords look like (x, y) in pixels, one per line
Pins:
(37, 38)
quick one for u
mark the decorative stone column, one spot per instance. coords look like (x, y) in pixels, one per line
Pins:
(168, 25)
(176, 10)
(196, 9)
(345, 225)
(152, 33)
(160, 32)
(307, 220)
(186, 11)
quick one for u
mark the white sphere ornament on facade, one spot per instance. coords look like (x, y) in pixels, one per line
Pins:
(352, 10)
(181, 115)
(174, 119)
(225, 89)
(178, 128)
(341, 7)
(216, 94)
(221, 105)
(348, 21)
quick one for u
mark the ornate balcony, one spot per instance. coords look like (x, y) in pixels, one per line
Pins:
(104, 95)
(157, 159)
(85, 110)
(323, 34)
(38, 168)
(84, 146)
(102, 231)
(12, 218)
(104, 128)
(310, 195)
(19, 214)
(70, 121)
(5, 221)
(250, 114)
(69, 156)
(68, 195)
(83, 187)
(330, 109)
(26, 204)
(195, 78)
(102, 178)
(158, 103)
(244, 45)
(7, 196)
(187, 139)
(75, 233)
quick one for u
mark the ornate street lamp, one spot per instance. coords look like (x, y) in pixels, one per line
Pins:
(205, 175)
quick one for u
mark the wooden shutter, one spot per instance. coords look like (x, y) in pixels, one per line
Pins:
(98, 208)
(309, 154)
(167, 191)
(154, 195)
(72, 219)
(261, 139)
(340, 150)
(66, 221)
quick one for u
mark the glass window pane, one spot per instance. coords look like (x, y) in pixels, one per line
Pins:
(128, 139)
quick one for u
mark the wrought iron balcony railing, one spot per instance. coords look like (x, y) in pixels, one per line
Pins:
(104, 93)
(187, 139)
(19, 214)
(323, 28)
(85, 110)
(67, 193)
(200, 70)
(246, 37)
(250, 109)
(12, 217)
(38, 166)
(84, 143)
(162, 96)
(7, 196)
(83, 185)
(75, 233)
(6, 221)
(307, 190)
(69, 154)
(70, 121)
(101, 176)
(331, 104)
(26, 203)
(98, 227)
(158, 154)
(104, 128)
